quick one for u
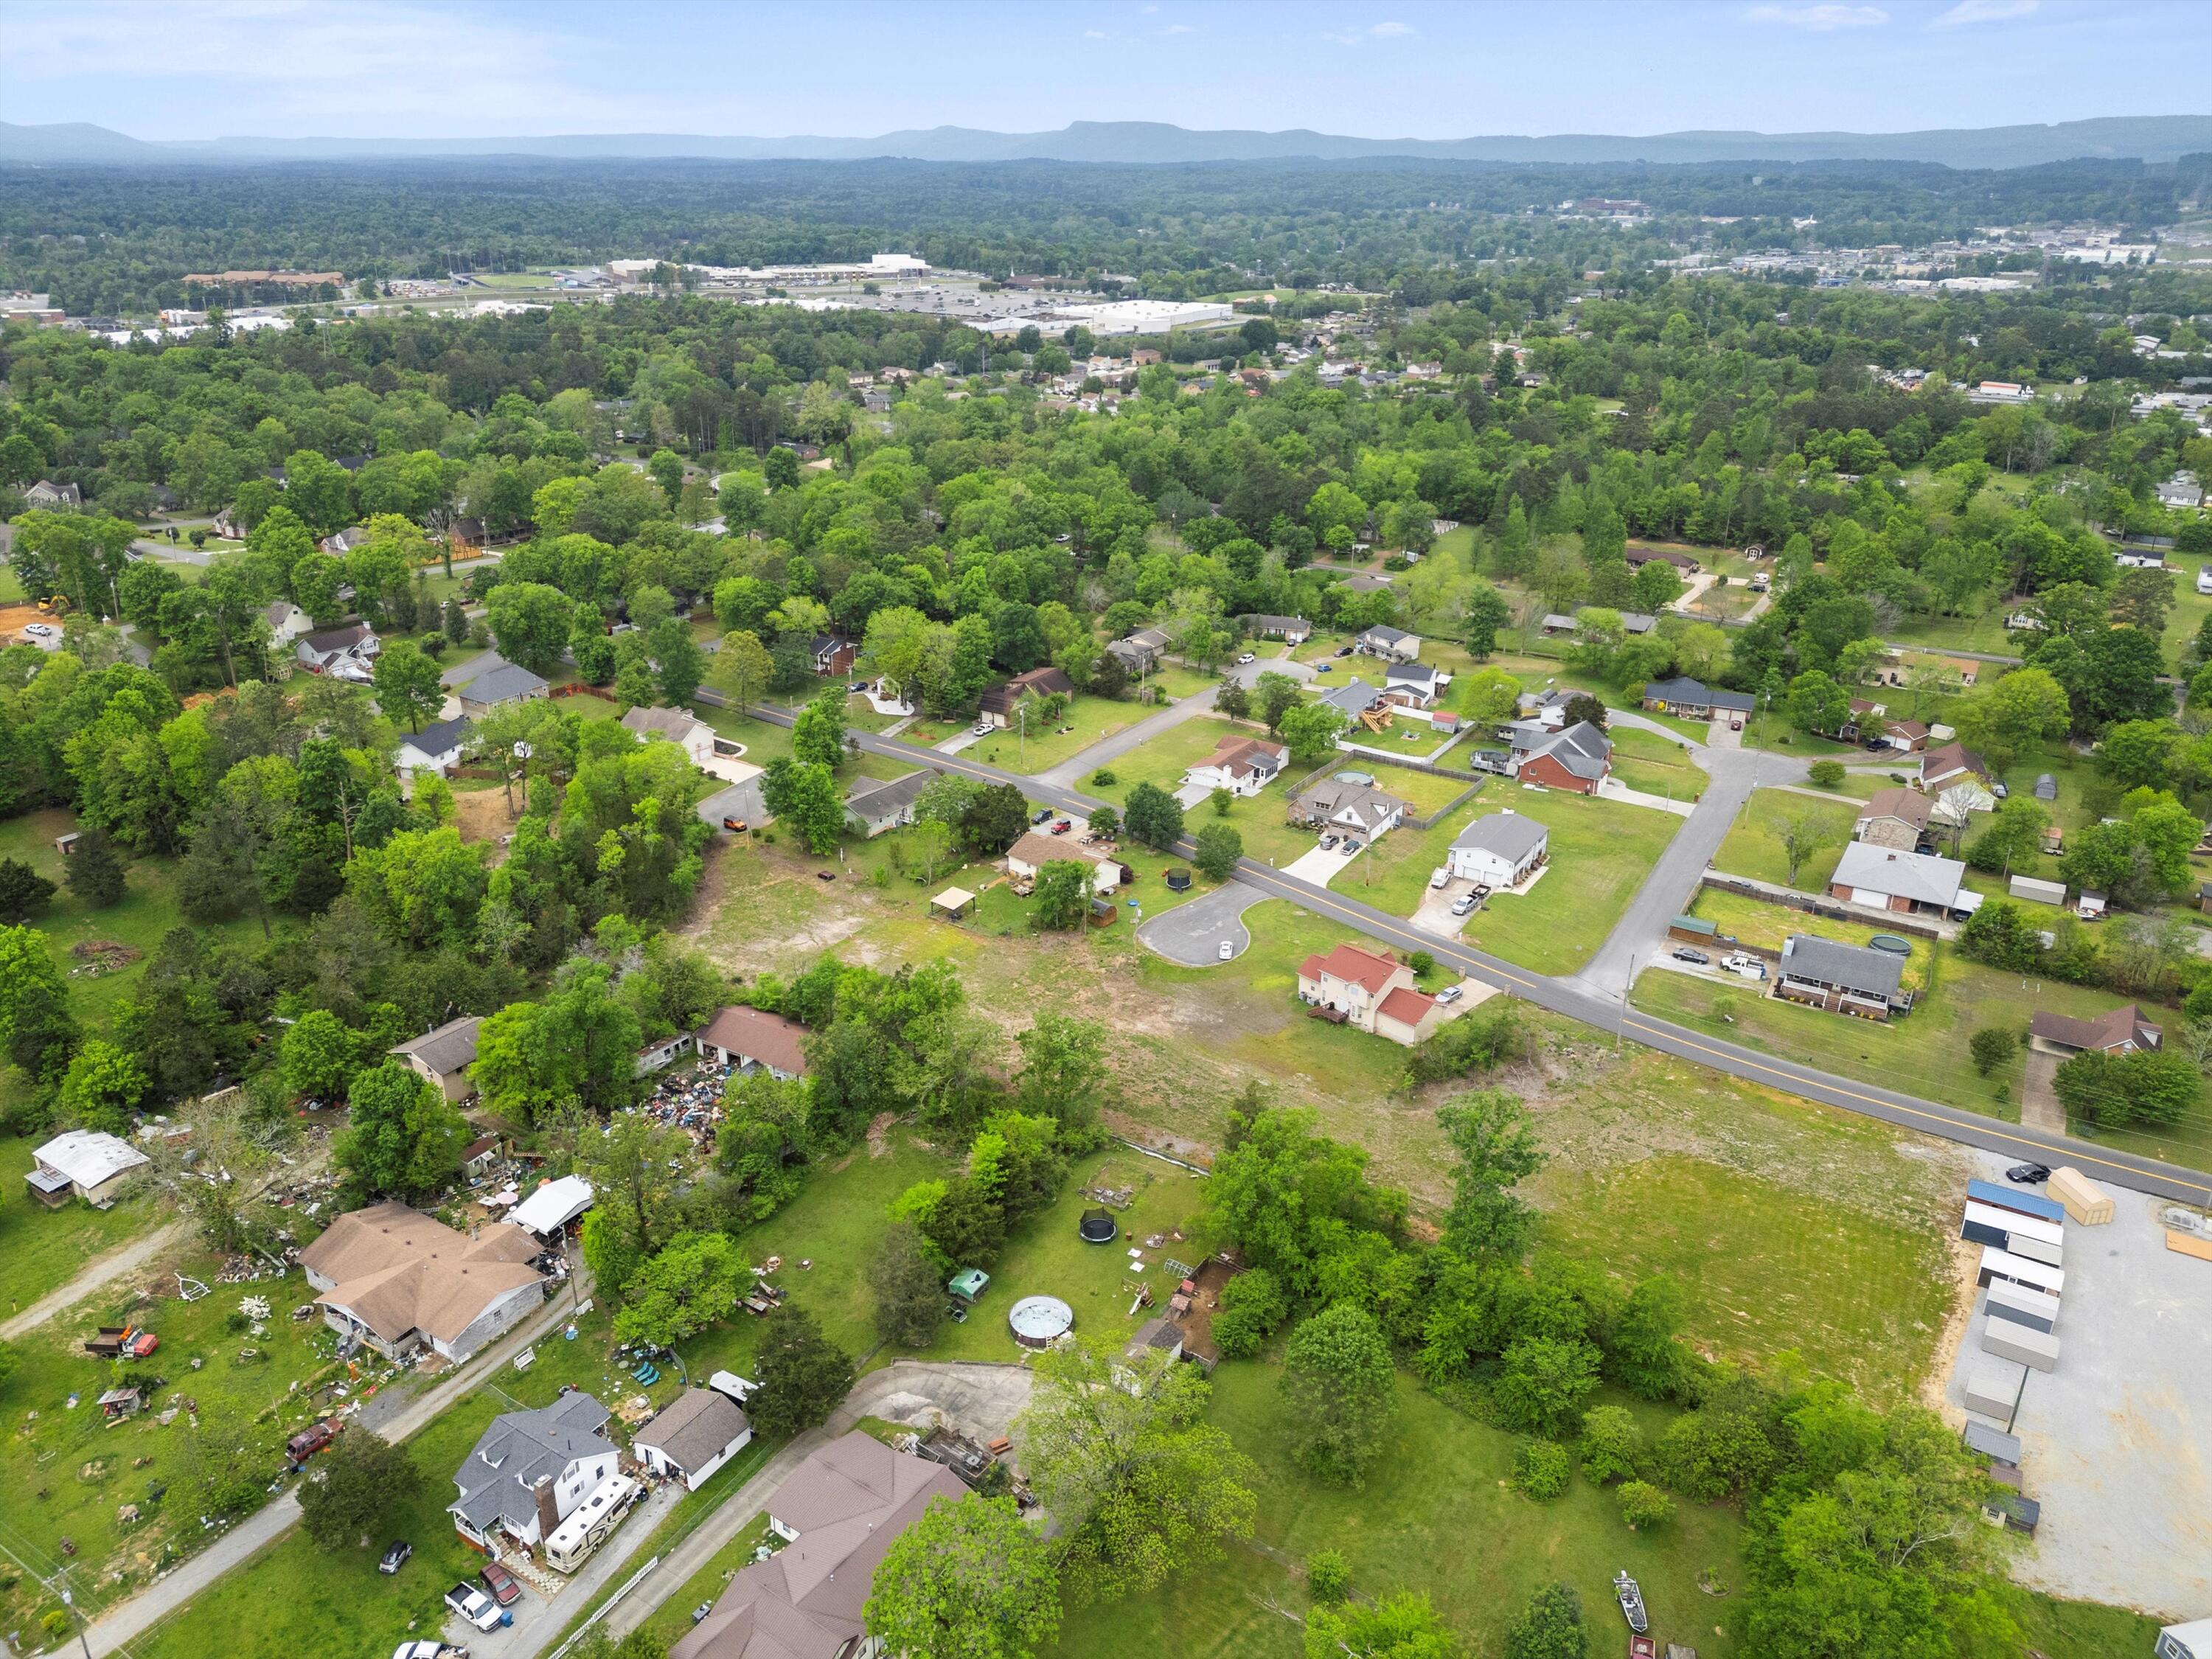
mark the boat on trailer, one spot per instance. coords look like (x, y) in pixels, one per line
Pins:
(1632, 1601)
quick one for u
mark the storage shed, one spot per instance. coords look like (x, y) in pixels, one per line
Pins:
(952, 903)
(2012, 1198)
(2036, 1275)
(1984, 1223)
(2036, 1309)
(2083, 1199)
(1993, 1443)
(2036, 890)
(2038, 1250)
(1993, 1387)
(2037, 1350)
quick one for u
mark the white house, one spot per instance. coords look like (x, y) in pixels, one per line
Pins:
(85, 1163)
(694, 1436)
(1241, 765)
(1393, 644)
(346, 654)
(287, 622)
(530, 1469)
(694, 737)
(434, 748)
(1034, 851)
(1498, 849)
(1414, 682)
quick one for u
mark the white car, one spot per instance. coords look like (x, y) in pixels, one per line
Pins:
(1228, 949)
(1438, 878)
(1247, 657)
(1462, 904)
(42, 629)
(1451, 994)
(984, 728)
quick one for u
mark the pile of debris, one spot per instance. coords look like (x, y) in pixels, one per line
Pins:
(103, 956)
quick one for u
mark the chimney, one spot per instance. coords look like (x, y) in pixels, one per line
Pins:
(549, 1517)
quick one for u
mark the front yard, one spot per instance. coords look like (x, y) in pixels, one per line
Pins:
(1601, 853)
(1753, 846)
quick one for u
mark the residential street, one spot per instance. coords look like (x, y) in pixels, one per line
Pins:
(132, 1619)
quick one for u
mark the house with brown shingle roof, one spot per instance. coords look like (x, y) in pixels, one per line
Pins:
(401, 1281)
(997, 703)
(1241, 765)
(1027, 856)
(754, 1040)
(838, 1514)
(1895, 818)
(2121, 1030)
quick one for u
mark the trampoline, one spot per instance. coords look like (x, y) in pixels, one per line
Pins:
(1098, 1226)
(1038, 1321)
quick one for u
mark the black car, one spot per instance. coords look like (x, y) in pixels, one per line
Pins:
(2028, 1175)
(1684, 953)
(396, 1557)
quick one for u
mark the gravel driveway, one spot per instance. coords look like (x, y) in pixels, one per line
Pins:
(1192, 933)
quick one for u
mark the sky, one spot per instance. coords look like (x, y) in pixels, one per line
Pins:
(204, 69)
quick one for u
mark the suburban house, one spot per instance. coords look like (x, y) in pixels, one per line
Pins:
(1369, 991)
(2182, 489)
(1844, 979)
(400, 1280)
(1027, 856)
(1414, 683)
(838, 1514)
(1136, 660)
(874, 806)
(1691, 701)
(506, 683)
(82, 1163)
(287, 622)
(1546, 708)
(1296, 630)
(50, 496)
(1556, 626)
(1392, 644)
(1353, 699)
(1363, 583)
(445, 1055)
(1636, 623)
(997, 703)
(1579, 757)
(1890, 880)
(1639, 556)
(692, 1437)
(530, 1469)
(345, 653)
(1955, 765)
(833, 654)
(753, 1040)
(1895, 818)
(1498, 849)
(1242, 766)
(1347, 807)
(434, 748)
(2121, 1030)
(1906, 736)
(694, 737)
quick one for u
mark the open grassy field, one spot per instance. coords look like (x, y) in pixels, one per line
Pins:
(1753, 848)
(1601, 853)
(1924, 1052)
(42, 1249)
(1646, 761)
(1415, 1525)
(1087, 721)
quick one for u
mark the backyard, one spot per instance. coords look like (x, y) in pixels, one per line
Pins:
(1753, 846)
(1646, 761)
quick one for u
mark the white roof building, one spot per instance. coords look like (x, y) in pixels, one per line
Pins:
(84, 1162)
(553, 1205)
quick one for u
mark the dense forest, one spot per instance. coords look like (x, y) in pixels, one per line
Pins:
(103, 240)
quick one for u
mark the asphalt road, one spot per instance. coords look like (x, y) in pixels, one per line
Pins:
(1610, 1014)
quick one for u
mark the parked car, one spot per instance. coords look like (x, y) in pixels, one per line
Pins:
(1324, 668)
(500, 1582)
(1061, 826)
(1328, 842)
(738, 824)
(2028, 1175)
(1247, 657)
(1228, 951)
(1999, 791)
(1351, 847)
(314, 1438)
(1438, 877)
(858, 685)
(1684, 953)
(1463, 904)
(1041, 814)
(42, 629)
(1451, 993)
(1344, 651)
(473, 1607)
(1747, 967)
(396, 1557)
(983, 728)
(1736, 725)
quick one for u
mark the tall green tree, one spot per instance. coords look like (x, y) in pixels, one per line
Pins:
(1496, 1147)
(969, 1579)
(803, 1376)
(1341, 1387)
(407, 684)
(403, 1136)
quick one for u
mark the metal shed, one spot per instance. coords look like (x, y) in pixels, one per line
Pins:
(1987, 1224)
(2037, 1249)
(2036, 1275)
(2037, 891)
(2011, 1198)
(1993, 1387)
(1993, 1443)
(2085, 1200)
(2022, 1306)
(2037, 1350)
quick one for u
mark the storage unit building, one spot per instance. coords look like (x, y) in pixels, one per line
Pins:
(2085, 1200)
(2037, 1249)
(2022, 1306)
(1993, 1443)
(2037, 1349)
(2036, 1275)
(1993, 1387)
(2011, 1198)
(2038, 891)
(1985, 1223)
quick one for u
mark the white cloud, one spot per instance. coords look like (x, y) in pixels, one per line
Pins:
(1820, 20)
(1984, 11)
(1389, 29)
(1385, 31)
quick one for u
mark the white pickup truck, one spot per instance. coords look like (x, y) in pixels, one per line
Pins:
(1747, 967)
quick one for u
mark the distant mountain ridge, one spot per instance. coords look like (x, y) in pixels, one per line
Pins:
(2144, 137)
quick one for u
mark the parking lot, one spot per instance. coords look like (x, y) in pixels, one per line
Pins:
(2117, 1442)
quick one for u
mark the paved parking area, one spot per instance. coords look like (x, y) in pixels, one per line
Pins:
(2116, 1444)
(1434, 915)
(1192, 933)
(1320, 867)
(739, 800)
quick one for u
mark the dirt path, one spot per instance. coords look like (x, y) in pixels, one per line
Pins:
(101, 1270)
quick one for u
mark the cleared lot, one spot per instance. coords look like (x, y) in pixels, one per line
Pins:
(2116, 1442)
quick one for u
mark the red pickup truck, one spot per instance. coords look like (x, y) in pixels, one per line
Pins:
(310, 1440)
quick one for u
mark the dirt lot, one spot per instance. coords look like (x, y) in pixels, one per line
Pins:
(14, 618)
(482, 814)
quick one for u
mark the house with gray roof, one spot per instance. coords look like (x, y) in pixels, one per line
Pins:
(1691, 700)
(509, 683)
(434, 748)
(693, 1436)
(1414, 683)
(1296, 630)
(1844, 979)
(1498, 849)
(1577, 758)
(1889, 879)
(1358, 809)
(1393, 644)
(444, 1055)
(530, 1469)
(1353, 699)
(875, 805)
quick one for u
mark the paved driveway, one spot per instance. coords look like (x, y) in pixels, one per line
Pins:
(1192, 933)
(739, 800)
(1321, 867)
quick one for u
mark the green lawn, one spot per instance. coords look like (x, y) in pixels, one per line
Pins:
(1436, 1515)
(1754, 847)
(1646, 761)
(1601, 853)
(672, 1618)
(1087, 720)
(1099, 1281)
(1923, 1053)
(42, 1249)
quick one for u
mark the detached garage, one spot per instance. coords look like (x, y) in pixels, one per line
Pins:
(698, 1433)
